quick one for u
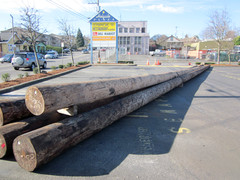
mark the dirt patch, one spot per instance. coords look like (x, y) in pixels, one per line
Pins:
(36, 76)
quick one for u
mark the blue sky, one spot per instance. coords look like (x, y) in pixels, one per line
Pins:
(167, 17)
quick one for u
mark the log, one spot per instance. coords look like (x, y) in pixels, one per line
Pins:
(10, 131)
(43, 99)
(13, 110)
(38, 147)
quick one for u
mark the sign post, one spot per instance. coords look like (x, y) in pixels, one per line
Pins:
(104, 32)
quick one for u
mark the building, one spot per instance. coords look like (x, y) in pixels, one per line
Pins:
(201, 49)
(133, 37)
(8, 44)
(51, 40)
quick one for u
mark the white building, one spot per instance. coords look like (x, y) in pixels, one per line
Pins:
(133, 37)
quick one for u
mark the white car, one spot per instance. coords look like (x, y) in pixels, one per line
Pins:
(51, 55)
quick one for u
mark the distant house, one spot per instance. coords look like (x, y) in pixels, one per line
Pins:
(8, 44)
(200, 50)
(173, 43)
(51, 40)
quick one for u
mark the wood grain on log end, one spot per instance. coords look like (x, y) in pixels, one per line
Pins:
(25, 153)
(1, 117)
(3, 146)
(34, 101)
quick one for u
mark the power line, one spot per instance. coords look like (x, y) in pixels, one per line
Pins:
(69, 10)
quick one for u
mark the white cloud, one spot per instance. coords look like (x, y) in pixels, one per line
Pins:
(166, 9)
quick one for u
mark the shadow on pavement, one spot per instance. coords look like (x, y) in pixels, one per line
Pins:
(151, 130)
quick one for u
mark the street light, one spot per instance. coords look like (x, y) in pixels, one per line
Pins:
(13, 36)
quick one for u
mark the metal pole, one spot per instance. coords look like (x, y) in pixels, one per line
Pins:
(13, 36)
(91, 43)
(117, 42)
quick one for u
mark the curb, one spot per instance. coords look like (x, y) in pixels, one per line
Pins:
(114, 64)
(22, 85)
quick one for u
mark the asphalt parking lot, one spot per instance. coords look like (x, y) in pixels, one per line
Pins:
(191, 132)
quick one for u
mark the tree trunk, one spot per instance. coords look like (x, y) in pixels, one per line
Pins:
(36, 57)
(13, 110)
(218, 60)
(42, 145)
(43, 99)
(72, 56)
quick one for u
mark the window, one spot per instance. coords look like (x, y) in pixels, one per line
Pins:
(131, 30)
(125, 30)
(143, 30)
(124, 40)
(128, 40)
(137, 40)
(137, 30)
(120, 30)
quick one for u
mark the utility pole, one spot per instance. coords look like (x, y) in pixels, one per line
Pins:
(97, 3)
(13, 36)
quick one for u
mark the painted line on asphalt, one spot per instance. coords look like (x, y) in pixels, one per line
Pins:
(180, 130)
(137, 116)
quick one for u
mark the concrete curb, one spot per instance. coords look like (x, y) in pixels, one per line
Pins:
(114, 64)
(22, 85)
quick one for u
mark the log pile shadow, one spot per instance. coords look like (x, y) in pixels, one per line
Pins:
(151, 130)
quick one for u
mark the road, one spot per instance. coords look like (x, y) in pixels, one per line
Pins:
(191, 132)
(78, 56)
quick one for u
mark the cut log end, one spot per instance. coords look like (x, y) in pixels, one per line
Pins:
(3, 146)
(34, 101)
(25, 153)
(1, 117)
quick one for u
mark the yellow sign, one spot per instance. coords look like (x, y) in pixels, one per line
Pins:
(104, 38)
(103, 26)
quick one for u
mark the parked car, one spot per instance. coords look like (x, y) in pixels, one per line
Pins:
(6, 58)
(27, 60)
(85, 51)
(103, 49)
(66, 50)
(51, 55)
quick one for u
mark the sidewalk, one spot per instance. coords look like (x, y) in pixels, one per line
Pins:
(96, 73)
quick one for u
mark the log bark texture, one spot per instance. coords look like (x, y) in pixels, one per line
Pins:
(40, 146)
(10, 131)
(42, 99)
(13, 110)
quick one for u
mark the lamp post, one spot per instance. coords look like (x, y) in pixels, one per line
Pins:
(13, 36)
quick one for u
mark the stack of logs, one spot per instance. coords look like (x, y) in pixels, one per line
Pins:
(53, 118)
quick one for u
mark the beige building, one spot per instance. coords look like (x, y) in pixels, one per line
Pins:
(7, 46)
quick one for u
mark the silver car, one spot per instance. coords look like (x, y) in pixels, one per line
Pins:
(27, 60)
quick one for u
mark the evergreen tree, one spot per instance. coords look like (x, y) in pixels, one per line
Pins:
(80, 39)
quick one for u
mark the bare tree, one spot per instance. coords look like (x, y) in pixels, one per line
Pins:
(30, 21)
(68, 33)
(218, 27)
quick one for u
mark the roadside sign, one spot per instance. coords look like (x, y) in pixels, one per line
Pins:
(104, 32)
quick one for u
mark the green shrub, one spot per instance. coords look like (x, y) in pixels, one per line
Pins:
(61, 66)
(58, 49)
(209, 63)
(125, 62)
(53, 67)
(198, 63)
(238, 63)
(69, 65)
(26, 74)
(6, 77)
(35, 70)
(20, 76)
(83, 62)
